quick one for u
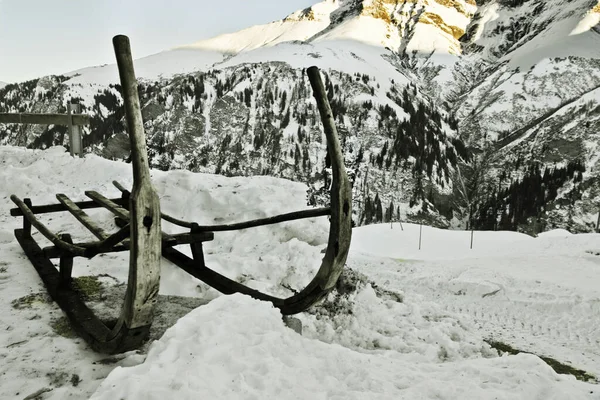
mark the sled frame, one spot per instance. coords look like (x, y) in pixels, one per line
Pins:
(137, 213)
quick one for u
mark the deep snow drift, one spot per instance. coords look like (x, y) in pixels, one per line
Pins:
(416, 332)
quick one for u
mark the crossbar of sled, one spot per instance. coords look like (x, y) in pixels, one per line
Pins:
(139, 217)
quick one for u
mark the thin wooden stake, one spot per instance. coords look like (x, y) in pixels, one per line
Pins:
(471, 239)
(420, 234)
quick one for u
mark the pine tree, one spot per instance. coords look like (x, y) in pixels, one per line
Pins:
(378, 209)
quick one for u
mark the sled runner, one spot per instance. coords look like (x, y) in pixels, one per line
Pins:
(139, 219)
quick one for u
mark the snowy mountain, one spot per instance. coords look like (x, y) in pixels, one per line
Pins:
(447, 109)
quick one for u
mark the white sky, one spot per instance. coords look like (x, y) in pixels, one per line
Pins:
(41, 37)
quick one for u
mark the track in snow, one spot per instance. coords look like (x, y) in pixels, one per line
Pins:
(533, 316)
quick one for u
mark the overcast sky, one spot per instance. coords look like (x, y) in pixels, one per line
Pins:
(41, 37)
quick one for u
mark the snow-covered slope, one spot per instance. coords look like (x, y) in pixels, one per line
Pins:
(2, 84)
(403, 325)
(421, 26)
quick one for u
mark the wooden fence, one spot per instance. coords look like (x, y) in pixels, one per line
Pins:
(73, 119)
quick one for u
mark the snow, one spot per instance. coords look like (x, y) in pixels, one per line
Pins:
(416, 332)
(238, 348)
(260, 36)
(162, 65)
(363, 29)
(570, 34)
(339, 55)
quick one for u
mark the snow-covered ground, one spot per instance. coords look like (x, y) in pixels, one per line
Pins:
(417, 333)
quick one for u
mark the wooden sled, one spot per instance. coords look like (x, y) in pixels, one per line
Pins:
(139, 218)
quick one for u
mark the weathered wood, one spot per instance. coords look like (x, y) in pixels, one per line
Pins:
(66, 263)
(51, 208)
(82, 319)
(198, 254)
(292, 216)
(118, 185)
(214, 279)
(75, 145)
(108, 243)
(76, 250)
(117, 210)
(340, 225)
(174, 240)
(145, 253)
(109, 204)
(340, 230)
(26, 223)
(82, 217)
(44, 119)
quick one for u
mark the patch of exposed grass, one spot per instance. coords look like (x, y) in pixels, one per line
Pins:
(62, 327)
(556, 365)
(88, 286)
(30, 300)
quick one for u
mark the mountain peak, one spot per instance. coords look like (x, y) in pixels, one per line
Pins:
(417, 25)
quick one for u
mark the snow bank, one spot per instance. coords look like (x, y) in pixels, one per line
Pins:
(415, 332)
(239, 348)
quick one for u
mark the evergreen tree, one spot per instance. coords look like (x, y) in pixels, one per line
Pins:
(378, 209)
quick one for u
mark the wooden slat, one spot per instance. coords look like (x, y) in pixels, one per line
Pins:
(43, 119)
(291, 216)
(110, 205)
(83, 320)
(82, 217)
(108, 243)
(174, 240)
(76, 250)
(116, 209)
(51, 208)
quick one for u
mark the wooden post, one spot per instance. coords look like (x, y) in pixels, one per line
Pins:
(420, 233)
(66, 263)
(26, 222)
(74, 131)
(400, 218)
(598, 223)
(471, 239)
(198, 253)
(144, 206)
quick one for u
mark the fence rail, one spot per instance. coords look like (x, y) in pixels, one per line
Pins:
(73, 120)
(44, 119)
